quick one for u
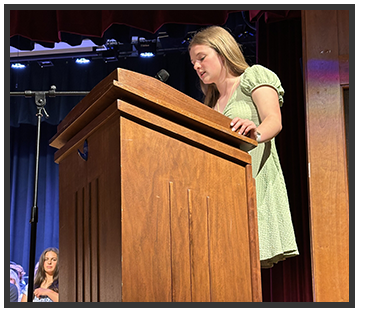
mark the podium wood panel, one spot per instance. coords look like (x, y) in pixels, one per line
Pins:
(182, 204)
(159, 212)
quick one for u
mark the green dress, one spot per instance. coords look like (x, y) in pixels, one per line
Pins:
(276, 233)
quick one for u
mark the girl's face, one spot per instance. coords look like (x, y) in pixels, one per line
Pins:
(50, 262)
(207, 63)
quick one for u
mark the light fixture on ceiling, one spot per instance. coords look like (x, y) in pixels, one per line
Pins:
(45, 64)
(82, 61)
(146, 48)
(17, 66)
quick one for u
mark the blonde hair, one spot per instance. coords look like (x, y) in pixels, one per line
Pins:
(220, 40)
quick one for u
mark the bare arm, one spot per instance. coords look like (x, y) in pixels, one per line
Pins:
(267, 103)
(24, 298)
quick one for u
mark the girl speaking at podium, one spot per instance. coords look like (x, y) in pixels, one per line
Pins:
(251, 96)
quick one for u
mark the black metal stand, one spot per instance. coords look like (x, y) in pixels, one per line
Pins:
(34, 214)
(40, 100)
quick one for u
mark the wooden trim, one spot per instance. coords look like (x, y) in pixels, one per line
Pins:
(254, 236)
(328, 187)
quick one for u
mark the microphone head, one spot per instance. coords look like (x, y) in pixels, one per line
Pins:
(162, 75)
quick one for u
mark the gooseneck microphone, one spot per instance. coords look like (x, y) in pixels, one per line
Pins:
(162, 75)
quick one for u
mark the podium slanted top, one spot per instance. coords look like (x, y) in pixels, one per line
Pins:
(154, 96)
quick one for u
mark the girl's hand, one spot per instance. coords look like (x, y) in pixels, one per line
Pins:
(244, 127)
(39, 292)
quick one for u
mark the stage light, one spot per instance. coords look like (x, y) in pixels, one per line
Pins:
(45, 63)
(82, 60)
(146, 48)
(146, 54)
(110, 55)
(17, 66)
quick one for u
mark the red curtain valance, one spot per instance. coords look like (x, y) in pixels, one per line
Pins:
(47, 25)
(51, 26)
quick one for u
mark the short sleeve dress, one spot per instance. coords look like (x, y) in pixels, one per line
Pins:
(276, 234)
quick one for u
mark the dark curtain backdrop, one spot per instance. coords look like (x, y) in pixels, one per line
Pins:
(278, 48)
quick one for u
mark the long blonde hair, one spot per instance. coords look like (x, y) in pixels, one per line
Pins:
(220, 40)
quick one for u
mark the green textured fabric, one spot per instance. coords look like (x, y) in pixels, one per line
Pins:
(276, 233)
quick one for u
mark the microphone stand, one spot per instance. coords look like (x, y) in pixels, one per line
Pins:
(40, 100)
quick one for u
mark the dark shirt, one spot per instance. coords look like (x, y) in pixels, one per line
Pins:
(13, 293)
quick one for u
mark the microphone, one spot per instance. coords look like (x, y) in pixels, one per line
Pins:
(162, 75)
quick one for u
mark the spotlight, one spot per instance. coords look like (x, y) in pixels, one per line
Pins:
(146, 48)
(146, 54)
(188, 37)
(110, 55)
(82, 60)
(17, 66)
(45, 63)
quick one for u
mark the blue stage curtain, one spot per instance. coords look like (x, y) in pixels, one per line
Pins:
(22, 169)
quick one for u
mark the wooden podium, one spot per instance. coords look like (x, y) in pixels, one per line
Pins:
(157, 200)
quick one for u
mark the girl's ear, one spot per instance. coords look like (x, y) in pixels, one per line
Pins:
(223, 60)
